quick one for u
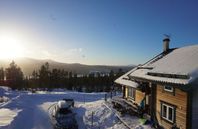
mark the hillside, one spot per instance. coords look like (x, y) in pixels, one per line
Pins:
(28, 65)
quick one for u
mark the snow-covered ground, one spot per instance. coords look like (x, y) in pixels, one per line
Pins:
(26, 110)
(7, 116)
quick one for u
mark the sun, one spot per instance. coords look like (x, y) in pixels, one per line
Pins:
(10, 47)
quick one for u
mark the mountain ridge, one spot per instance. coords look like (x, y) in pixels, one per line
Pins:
(29, 64)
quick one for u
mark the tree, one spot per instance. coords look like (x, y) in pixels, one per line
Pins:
(120, 73)
(44, 76)
(1, 74)
(55, 78)
(34, 80)
(70, 83)
(35, 75)
(14, 76)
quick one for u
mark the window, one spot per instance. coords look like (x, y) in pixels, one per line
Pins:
(168, 112)
(131, 93)
(168, 88)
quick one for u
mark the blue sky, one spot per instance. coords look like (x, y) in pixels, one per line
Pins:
(111, 32)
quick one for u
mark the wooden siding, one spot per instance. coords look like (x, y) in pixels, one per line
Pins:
(195, 109)
(178, 99)
(138, 95)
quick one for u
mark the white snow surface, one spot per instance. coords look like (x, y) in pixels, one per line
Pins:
(27, 110)
(181, 61)
(4, 90)
(7, 116)
(142, 73)
(124, 80)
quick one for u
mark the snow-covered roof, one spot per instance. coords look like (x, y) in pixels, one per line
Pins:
(130, 83)
(179, 66)
(124, 80)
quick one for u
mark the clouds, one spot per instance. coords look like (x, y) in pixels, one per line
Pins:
(46, 53)
(74, 51)
(73, 55)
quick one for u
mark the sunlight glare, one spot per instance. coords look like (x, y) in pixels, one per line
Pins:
(10, 47)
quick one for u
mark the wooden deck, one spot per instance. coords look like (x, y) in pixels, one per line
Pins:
(125, 106)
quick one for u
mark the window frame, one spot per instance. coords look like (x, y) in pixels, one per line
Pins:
(168, 106)
(168, 90)
(132, 95)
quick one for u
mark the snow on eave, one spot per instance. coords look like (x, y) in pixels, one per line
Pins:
(174, 67)
(125, 82)
(178, 62)
(162, 80)
(125, 76)
(124, 79)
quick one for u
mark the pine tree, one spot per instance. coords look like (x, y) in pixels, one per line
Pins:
(1, 74)
(44, 76)
(14, 76)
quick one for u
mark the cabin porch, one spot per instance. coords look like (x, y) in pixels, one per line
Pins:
(138, 96)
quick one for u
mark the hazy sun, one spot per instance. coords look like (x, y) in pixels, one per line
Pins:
(10, 47)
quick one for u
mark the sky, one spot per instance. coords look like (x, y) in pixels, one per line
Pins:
(103, 32)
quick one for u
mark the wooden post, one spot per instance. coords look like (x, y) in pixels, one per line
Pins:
(84, 98)
(105, 97)
(123, 90)
(92, 118)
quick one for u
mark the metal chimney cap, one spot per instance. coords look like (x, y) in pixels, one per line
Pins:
(166, 39)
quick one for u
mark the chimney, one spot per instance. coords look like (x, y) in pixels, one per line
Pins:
(166, 44)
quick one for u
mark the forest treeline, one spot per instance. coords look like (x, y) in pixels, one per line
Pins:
(47, 78)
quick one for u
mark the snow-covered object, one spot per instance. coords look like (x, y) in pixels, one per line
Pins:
(7, 116)
(33, 109)
(63, 104)
(4, 90)
(180, 66)
(181, 61)
(124, 80)
(4, 99)
(143, 75)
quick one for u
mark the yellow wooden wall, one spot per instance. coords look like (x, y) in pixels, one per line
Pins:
(179, 100)
(126, 92)
(138, 95)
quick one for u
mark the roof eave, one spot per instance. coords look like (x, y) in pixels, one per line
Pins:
(156, 81)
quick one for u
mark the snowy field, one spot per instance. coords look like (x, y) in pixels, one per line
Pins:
(26, 110)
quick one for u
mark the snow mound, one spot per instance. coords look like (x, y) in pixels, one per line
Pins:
(4, 90)
(4, 99)
(7, 116)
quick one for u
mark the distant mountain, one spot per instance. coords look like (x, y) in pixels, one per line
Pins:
(28, 65)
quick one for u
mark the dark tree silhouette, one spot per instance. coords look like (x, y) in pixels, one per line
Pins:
(58, 78)
(1, 74)
(44, 76)
(14, 76)
(34, 80)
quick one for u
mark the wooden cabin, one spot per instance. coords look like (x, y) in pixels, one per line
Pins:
(168, 86)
